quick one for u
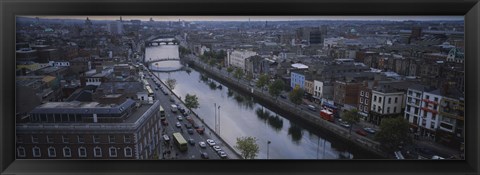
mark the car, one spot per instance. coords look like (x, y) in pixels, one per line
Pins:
(204, 155)
(283, 96)
(217, 148)
(188, 125)
(195, 126)
(201, 130)
(190, 131)
(178, 125)
(311, 108)
(202, 144)
(171, 99)
(361, 132)
(191, 141)
(179, 118)
(211, 142)
(343, 123)
(164, 123)
(165, 93)
(370, 130)
(222, 154)
(156, 89)
(166, 138)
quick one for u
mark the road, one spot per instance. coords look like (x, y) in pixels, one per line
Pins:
(194, 151)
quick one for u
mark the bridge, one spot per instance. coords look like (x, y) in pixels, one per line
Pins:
(150, 60)
(163, 38)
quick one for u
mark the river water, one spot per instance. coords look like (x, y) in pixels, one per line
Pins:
(240, 115)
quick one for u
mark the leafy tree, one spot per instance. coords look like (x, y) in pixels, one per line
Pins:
(211, 62)
(262, 81)
(351, 117)
(171, 83)
(191, 101)
(296, 95)
(249, 77)
(248, 147)
(276, 88)
(229, 70)
(393, 132)
(238, 74)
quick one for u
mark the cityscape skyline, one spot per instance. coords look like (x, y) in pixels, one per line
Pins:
(260, 18)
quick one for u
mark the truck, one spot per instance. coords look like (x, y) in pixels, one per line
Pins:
(174, 108)
(326, 115)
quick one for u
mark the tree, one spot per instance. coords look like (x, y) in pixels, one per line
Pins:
(393, 132)
(296, 95)
(171, 83)
(276, 88)
(211, 62)
(352, 117)
(249, 77)
(191, 101)
(248, 147)
(229, 70)
(238, 74)
(262, 81)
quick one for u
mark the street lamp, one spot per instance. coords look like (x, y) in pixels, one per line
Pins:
(268, 145)
(219, 124)
(215, 107)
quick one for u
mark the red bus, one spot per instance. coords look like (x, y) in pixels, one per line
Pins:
(327, 115)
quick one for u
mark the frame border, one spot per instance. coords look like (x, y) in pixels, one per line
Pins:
(9, 9)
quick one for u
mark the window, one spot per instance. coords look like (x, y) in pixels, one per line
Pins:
(374, 107)
(362, 93)
(427, 97)
(366, 94)
(36, 152)
(50, 139)
(361, 100)
(34, 139)
(128, 152)
(67, 152)
(379, 99)
(394, 109)
(81, 139)
(96, 139)
(113, 152)
(111, 138)
(65, 139)
(410, 92)
(388, 109)
(436, 99)
(389, 100)
(396, 99)
(51, 152)
(82, 152)
(375, 98)
(97, 151)
(366, 101)
(127, 139)
(365, 109)
(21, 152)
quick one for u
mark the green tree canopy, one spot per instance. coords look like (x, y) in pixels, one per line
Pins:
(171, 83)
(276, 88)
(296, 95)
(238, 73)
(393, 132)
(352, 117)
(191, 101)
(262, 81)
(230, 70)
(248, 147)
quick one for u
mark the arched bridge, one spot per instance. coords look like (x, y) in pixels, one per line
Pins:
(165, 38)
(148, 61)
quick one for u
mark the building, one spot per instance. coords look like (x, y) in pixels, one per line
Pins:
(365, 98)
(96, 76)
(322, 90)
(298, 77)
(237, 58)
(451, 129)
(387, 101)
(413, 105)
(346, 93)
(89, 130)
(430, 117)
(115, 27)
(309, 87)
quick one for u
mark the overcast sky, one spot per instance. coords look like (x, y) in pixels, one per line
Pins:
(259, 18)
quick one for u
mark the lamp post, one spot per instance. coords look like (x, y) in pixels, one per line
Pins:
(219, 124)
(268, 145)
(215, 107)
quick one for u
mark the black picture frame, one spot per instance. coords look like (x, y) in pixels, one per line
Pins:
(9, 9)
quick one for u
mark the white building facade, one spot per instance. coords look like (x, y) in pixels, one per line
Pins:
(237, 58)
(430, 118)
(413, 106)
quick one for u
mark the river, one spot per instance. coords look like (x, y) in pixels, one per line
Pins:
(240, 115)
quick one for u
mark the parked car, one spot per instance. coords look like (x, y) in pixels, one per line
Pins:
(178, 125)
(211, 142)
(370, 130)
(343, 123)
(311, 108)
(179, 118)
(202, 144)
(283, 96)
(222, 154)
(217, 148)
(188, 125)
(361, 132)
(166, 138)
(201, 130)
